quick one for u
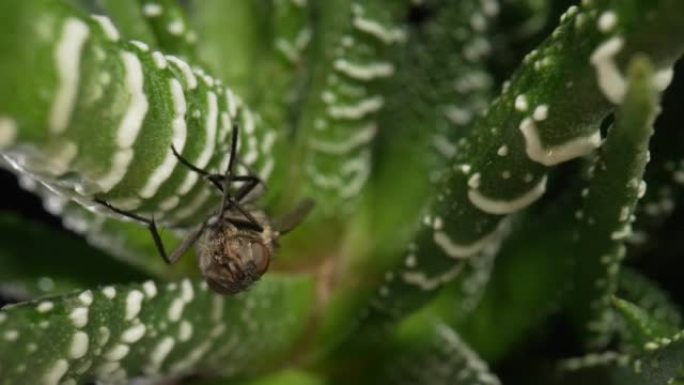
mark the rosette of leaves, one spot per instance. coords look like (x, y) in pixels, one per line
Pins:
(462, 235)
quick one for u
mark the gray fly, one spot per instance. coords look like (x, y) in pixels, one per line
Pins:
(236, 243)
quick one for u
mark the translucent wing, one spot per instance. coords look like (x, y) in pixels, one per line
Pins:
(289, 221)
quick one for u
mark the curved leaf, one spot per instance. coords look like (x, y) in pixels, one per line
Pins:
(532, 127)
(352, 45)
(440, 357)
(119, 332)
(30, 267)
(606, 214)
(171, 27)
(98, 115)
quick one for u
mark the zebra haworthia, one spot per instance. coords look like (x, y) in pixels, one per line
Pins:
(102, 115)
(501, 167)
(116, 333)
(339, 121)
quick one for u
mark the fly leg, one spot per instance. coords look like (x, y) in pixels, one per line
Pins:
(187, 243)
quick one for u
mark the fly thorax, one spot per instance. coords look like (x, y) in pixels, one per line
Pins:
(231, 259)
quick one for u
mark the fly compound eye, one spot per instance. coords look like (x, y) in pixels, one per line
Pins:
(258, 254)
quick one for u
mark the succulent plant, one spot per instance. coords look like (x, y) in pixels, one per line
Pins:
(495, 201)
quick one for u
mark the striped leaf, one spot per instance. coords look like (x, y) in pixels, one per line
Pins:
(606, 214)
(27, 272)
(114, 333)
(439, 356)
(98, 116)
(659, 352)
(503, 166)
(170, 26)
(648, 295)
(127, 15)
(352, 47)
(440, 87)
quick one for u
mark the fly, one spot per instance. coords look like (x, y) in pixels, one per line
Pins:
(235, 244)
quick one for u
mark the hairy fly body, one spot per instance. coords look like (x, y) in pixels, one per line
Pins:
(236, 243)
(232, 256)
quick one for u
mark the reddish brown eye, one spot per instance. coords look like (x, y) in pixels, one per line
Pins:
(261, 257)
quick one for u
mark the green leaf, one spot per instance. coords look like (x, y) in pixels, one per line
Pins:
(606, 214)
(421, 97)
(261, 49)
(30, 267)
(654, 356)
(664, 361)
(658, 347)
(234, 35)
(642, 327)
(120, 332)
(127, 15)
(525, 19)
(648, 295)
(352, 47)
(441, 76)
(96, 116)
(433, 354)
(502, 167)
(664, 178)
(170, 25)
(280, 72)
(529, 282)
(608, 367)
(128, 242)
(286, 377)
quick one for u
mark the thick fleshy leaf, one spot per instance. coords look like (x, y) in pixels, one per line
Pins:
(605, 217)
(98, 115)
(502, 167)
(410, 150)
(353, 44)
(658, 355)
(170, 26)
(261, 48)
(655, 352)
(129, 241)
(118, 332)
(440, 75)
(641, 327)
(529, 282)
(128, 16)
(440, 356)
(648, 295)
(664, 176)
(286, 377)
(233, 34)
(36, 261)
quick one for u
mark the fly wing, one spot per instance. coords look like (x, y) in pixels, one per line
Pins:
(253, 195)
(289, 221)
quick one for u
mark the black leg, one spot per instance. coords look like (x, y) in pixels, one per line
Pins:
(215, 179)
(220, 181)
(152, 227)
(229, 178)
(187, 243)
(229, 171)
(250, 183)
(239, 223)
(245, 214)
(223, 182)
(188, 164)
